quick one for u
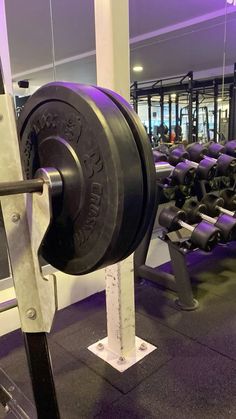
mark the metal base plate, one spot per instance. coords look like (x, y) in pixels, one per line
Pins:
(185, 307)
(121, 364)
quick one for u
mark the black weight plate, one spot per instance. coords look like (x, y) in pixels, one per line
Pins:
(146, 156)
(79, 131)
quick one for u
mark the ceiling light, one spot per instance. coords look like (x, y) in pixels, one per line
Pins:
(173, 96)
(233, 2)
(137, 68)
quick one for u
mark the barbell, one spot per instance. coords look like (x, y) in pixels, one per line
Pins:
(102, 174)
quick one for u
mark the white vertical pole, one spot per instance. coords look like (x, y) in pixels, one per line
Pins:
(4, 50)
(112, 56)
(112, 45)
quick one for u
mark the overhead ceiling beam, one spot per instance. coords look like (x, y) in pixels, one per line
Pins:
(78, 57)
(182, 25)
(134, 40)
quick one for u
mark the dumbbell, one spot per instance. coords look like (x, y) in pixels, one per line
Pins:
(181, 174)
(205, 235)
(226, 165)
(229, 197)
(205, 169)
(196, 212)
(215, 149)
(174, 177)
(215, 205)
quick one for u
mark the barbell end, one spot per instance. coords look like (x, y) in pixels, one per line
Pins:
(22, 186)
(49, 175)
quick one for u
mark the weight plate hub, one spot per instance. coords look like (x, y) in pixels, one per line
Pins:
(81, 132)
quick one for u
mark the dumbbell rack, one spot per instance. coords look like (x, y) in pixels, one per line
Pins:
(179, 281)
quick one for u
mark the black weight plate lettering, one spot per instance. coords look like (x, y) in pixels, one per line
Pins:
(79, 131)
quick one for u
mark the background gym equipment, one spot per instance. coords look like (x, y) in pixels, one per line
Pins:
(192, 105)
(79, 142)
(194, 200)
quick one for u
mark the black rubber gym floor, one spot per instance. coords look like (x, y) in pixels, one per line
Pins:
(192, 374)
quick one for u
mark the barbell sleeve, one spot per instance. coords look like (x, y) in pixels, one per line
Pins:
(22, 186)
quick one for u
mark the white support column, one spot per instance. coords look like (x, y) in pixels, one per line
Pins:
(120, 308)
(4, 50)
(121, 348)
(112, 45)
(112, 55)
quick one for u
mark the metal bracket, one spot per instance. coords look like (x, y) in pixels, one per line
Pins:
(26, 220)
